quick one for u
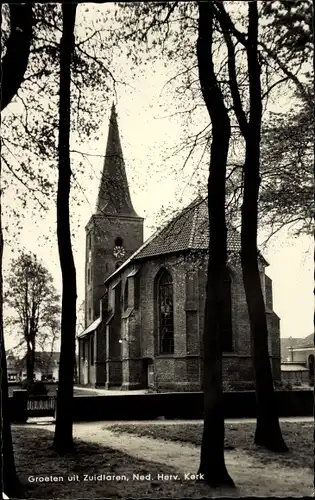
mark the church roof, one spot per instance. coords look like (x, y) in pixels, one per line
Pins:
(90, 328)
(189, 230)
(114, 196)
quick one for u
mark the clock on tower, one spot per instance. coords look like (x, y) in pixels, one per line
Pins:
(119, 252)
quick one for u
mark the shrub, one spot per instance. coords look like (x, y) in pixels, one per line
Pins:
(246, 385)
(297, 383)
(227, 386)
(283, 385)
(35, 388)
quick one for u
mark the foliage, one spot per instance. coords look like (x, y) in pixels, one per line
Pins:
(238, 386)
(287, 170)
(291, 26)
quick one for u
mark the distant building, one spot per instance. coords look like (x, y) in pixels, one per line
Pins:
(14, 368)
(286, 343)
(303, 352)
(144, 327)
(46, 367)
(300, 362)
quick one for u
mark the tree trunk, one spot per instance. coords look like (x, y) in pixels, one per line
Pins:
(75, 370)
(9, 482)
(63, 440)
(268, 432)
(14, 62)
(29, 373)
(212, 465)
(13, 67)
(30, 361)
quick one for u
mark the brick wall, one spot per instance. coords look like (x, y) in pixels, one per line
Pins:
(183, 370)
(103, 230)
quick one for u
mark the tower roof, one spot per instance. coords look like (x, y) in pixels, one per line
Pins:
(114, 196)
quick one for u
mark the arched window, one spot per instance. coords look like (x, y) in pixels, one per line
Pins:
(165, 313)
(118, 242)
(118, 264)
(227, 331)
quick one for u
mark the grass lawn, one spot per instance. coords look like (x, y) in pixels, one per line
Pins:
(298, 437)
(34, 457)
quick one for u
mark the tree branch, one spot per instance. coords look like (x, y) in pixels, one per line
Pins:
(288, 73)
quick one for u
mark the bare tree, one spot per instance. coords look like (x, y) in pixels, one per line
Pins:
(13, 67)
(34, 303)
(63, 440)
(268, 432)
(212, 463)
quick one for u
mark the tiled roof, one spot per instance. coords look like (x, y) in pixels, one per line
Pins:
(307, 342)
(189, 230)
(90, 328)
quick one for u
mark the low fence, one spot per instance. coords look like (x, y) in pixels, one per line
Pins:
(41, 406)
(169, 405)
(22, 406)
(184, 406)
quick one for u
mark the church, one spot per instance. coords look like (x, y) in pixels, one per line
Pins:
(144, 301)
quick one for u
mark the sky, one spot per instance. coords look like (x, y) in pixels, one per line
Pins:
(148, 135)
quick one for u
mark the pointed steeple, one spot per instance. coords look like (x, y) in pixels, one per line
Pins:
(114, 196)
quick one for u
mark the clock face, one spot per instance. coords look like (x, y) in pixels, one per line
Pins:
(119, 252)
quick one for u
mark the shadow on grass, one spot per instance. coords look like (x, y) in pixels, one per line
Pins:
(44, 474)
(298, 437)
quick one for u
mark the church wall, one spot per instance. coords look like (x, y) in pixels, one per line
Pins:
(183, 370)
(170, 371)
(237, 369)
(240, 318)
(128, 332)
(100, 340)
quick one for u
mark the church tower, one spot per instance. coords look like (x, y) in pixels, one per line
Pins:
(115, 231)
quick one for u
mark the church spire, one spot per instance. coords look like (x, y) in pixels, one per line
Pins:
(114, 196)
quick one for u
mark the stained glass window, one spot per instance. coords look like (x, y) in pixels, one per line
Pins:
(166, 313)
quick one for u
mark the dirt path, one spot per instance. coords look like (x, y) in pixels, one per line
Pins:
(252, 477)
